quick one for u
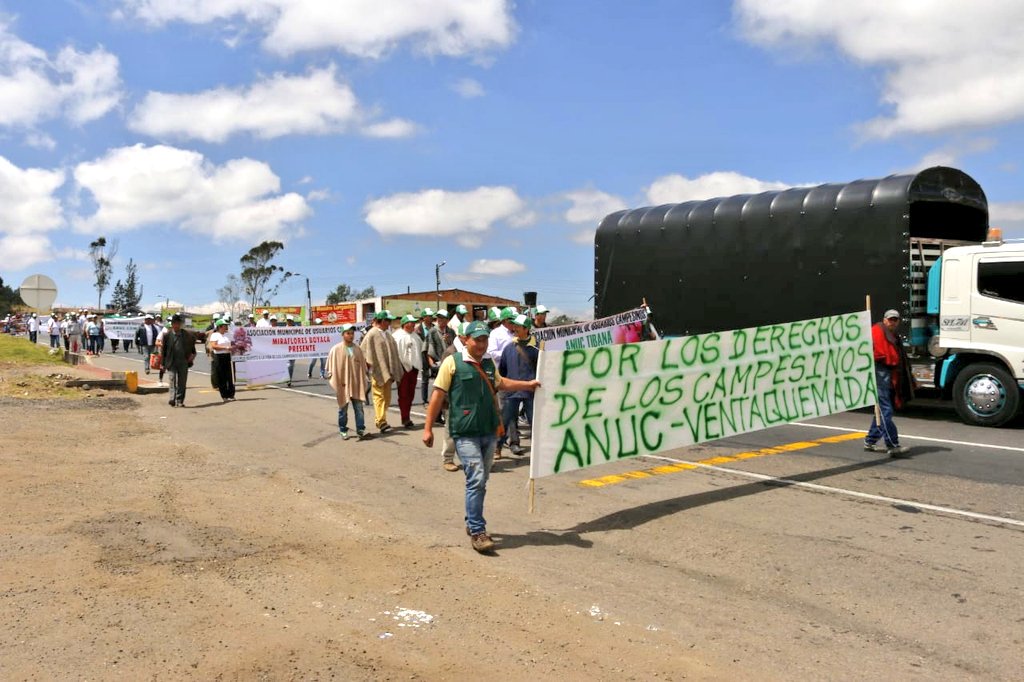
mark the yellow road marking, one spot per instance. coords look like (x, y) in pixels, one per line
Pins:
(664, 469)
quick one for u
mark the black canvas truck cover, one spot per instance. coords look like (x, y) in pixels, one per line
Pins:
(804, 252)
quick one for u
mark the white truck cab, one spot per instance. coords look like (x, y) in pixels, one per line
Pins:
(981, 330)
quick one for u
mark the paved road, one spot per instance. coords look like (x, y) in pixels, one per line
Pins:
(786, 553)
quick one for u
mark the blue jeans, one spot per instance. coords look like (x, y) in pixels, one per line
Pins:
(312, 364)
(357, 408)
(510, 415)
(54, 341)
(887, 429)
(476, 454)
(94, 344)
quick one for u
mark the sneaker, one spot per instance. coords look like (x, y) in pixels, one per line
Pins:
(451, 466)
(898, 450)
(482, 542)
(516, 450)
(322, 375)
(172, 403)
(289, 384)
(385, 428)
(344, 435)
(875, 447)
(361, 434)
(409, 424)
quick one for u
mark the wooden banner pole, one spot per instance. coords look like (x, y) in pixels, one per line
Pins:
(878, 410)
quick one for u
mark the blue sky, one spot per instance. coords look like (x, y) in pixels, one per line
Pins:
(379, 138)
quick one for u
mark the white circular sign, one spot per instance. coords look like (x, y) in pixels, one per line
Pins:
(38, 291)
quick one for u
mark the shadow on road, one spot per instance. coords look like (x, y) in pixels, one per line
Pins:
(540, 538)
(637, 516)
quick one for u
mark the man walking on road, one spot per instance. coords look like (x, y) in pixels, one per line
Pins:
(382, 356)
(410, 353)
(469, 381)
(346, 370)
(177, 354)
(146, 338)
(888, 378)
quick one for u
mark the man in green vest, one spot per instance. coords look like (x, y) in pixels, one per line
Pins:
(470, 381)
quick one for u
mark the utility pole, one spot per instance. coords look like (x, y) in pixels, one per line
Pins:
(309, 303)
(437, 279)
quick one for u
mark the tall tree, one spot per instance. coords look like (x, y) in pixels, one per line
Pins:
(102, 254)
(346, 293)
(230, 294)
(117, 298)
(132, 287)
(261, 277)
(9, 298)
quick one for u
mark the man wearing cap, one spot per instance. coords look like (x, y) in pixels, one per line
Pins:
(889, 366)
(74, 332)
(252, 320)
(264, 320)
(501, 337)
(177, 354)
(469, 381)
(382, 356)
(518, 361)
(53, 329)
(447, 443)
(445, 331)
(33, 328)
(540, 317)
(146, 337)
(346, 370)
(410, 354)
(433, 349)
(219, 344)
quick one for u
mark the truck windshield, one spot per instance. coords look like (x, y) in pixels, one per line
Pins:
(1002, 279)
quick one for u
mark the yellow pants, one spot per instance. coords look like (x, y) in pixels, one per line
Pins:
(381, 401)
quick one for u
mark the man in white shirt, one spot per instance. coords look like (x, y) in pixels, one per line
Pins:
(53, 327)
(410, 354)
(147, 337)
(33, 328)
(264, 321)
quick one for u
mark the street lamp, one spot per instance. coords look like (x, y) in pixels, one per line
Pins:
(437, 278)
(166, 305)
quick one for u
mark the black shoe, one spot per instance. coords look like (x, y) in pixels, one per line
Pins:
(409, 424)
(172, 403)
(385, 428)
(179, 404)
(516, 450)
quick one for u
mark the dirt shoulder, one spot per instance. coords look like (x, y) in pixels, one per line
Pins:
(130, 551)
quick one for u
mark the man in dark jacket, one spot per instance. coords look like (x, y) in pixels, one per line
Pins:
(177, 353)
(518, 361)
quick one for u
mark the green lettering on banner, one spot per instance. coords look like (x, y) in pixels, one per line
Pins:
(609, 402)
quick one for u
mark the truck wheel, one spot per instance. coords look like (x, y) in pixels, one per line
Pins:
(986, 394)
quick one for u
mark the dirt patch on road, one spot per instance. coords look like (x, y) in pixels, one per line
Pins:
(129, 553)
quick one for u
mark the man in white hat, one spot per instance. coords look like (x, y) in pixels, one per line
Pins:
(410, 354)
(33, 328)
(264, 320)
(540, 317)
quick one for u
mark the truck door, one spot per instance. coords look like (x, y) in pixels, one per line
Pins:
(997, 305)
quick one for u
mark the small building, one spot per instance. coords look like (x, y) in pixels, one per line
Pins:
(415, 301)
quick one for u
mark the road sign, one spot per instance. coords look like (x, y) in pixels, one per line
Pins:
(38, 291)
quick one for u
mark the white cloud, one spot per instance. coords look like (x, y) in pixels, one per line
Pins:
(496, 267)
(950, 154)
(317, 103)
(392, 128)
(589, 206)
(944, 67)
(1009, 216)
(79, 86)
(468, 88)
(364, 28)
(584, 237)
(467, 216)
(672, 189)
(139, 185)
(25, 250)
(27, 201)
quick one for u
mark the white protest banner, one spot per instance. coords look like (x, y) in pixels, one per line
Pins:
(603, 404)
(283, 343)
(625, 327)
(121, 328)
